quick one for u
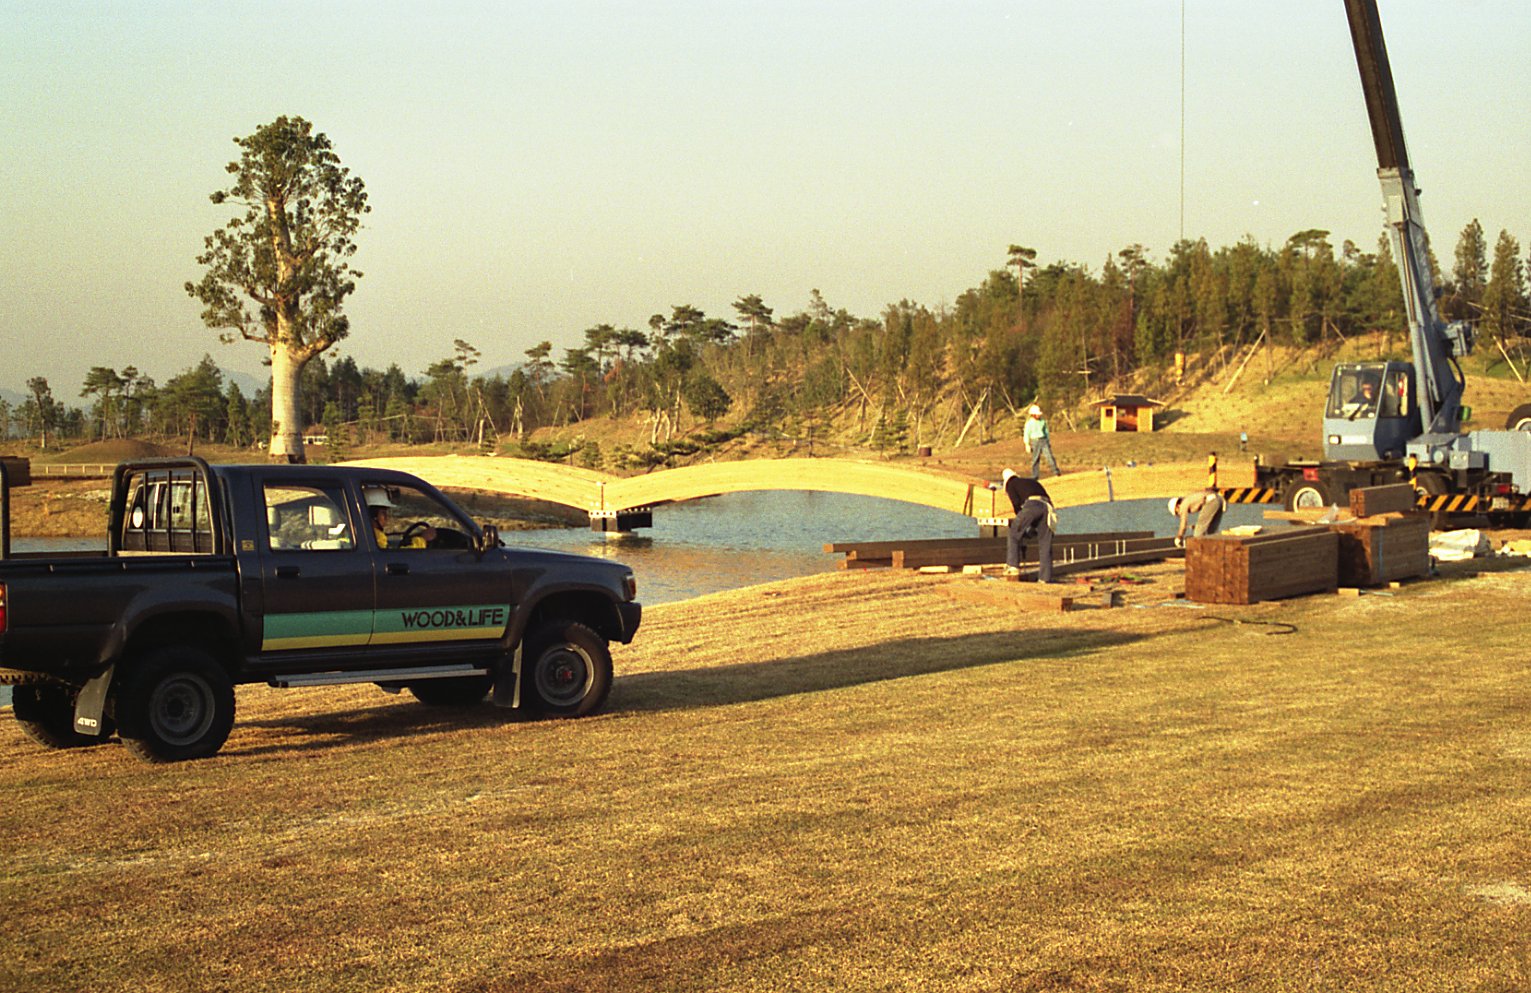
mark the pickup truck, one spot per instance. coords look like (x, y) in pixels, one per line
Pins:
(293, 575)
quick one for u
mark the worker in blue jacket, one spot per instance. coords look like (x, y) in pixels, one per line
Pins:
(1038, 442)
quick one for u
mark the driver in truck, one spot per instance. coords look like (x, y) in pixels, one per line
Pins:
(379, 505)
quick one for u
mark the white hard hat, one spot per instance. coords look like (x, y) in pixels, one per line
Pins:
(1174, 505)
(1005, 476)
(376, 496)
(1035, 411)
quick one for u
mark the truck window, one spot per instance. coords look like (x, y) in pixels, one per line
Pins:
(307, 518)
(404, 517)
(167, 511)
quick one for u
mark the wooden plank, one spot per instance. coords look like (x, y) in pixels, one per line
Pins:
(883, 548)
(1369, 500)
(1023, 595)
(913, 558)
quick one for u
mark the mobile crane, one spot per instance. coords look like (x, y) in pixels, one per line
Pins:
(1392, 421)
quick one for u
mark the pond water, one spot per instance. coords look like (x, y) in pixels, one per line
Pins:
(741, 539)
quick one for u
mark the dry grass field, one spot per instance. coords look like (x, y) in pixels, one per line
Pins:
(842, 782)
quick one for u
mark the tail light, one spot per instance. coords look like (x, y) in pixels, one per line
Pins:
(2, 608)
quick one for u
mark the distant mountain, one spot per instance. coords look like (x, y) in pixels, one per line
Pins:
(248, 384)
(12, 397)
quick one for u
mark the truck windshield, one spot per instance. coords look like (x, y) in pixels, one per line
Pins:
(1355, 393)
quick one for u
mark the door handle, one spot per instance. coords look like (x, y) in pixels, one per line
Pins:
(286, 572)
(398, 569)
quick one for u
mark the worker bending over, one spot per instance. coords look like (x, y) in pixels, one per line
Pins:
(1034, 515)
(1208, 506)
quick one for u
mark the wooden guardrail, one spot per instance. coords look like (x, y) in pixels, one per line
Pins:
(73, 470)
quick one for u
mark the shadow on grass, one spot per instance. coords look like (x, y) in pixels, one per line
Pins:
(329, 729)
(715, 686)
(748, 682)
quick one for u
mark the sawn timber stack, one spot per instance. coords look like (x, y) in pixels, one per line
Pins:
(1239, 569)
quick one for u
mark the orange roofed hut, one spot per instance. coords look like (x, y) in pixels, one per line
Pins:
(1127, 412)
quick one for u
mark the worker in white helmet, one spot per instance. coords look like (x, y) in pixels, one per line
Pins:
(1208, 506)
(1038, 442)
(379, 506)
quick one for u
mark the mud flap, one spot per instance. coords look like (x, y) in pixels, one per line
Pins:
(507, 685)
(90, 704)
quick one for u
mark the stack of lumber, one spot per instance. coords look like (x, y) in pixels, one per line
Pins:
(1377, 550)
(1382, 538)
(916, 553)
(1282, 563)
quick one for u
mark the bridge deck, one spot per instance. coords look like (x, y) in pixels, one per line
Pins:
(589, 490)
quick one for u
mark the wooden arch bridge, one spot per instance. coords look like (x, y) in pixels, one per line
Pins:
(619, 503)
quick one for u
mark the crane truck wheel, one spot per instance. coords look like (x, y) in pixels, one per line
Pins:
(1430, 485)
(1305, 494)
(1520, 418)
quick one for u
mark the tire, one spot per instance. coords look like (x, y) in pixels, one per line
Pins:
(1520, 418)
(566, 669)
(1304, 494)
(465, 691)
(1430, 485)
(46, 714)
(176, 704)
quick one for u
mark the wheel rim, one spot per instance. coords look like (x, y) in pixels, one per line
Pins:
(1524, 424)
(564, 675)
(1307, 498)
(181, 710)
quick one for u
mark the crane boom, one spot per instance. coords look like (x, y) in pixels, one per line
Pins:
(1435, 345)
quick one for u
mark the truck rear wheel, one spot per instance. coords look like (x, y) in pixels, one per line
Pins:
(464, 692)
(1307, 494)
(566, 669)
(46, 715)
(176, 704)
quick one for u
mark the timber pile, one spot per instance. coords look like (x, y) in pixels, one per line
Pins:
(1239, 569)
(917, 553)
(1380, 549)
(1369, 501)
(1382, 539)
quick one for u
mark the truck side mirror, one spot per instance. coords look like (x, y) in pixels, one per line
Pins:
(489, 538)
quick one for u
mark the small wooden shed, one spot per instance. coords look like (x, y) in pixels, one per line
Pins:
(1127, 412)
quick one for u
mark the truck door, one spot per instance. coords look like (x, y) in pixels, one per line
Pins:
(435, 594)
(316, 571)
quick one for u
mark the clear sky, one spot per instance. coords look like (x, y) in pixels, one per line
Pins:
(536, 168)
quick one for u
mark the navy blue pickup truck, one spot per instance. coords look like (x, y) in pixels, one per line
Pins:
(217, 575)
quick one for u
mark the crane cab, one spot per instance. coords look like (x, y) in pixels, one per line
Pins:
(1372, 412)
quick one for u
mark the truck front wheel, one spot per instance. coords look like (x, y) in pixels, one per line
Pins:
(46, 715)
(566, 669)
(176, 704)
(1307, 494)
(1520, 418)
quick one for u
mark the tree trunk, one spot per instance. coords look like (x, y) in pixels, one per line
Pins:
(286, 421)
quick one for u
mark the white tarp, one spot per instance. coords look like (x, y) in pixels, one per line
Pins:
(1456, 546)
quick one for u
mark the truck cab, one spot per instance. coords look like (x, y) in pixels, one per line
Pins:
(1372, 413)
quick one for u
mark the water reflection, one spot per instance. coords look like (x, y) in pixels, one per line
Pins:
(742, 539)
